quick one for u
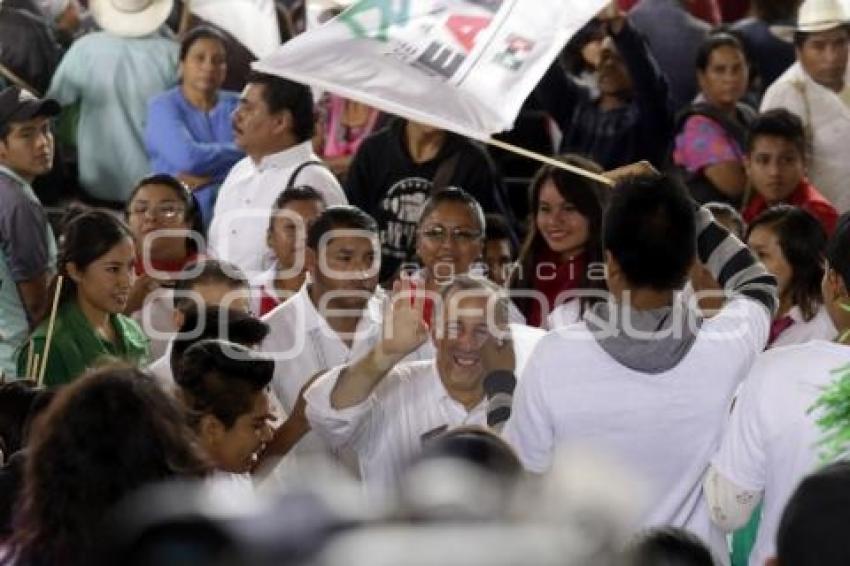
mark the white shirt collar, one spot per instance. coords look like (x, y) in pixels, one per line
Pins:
(290, 157)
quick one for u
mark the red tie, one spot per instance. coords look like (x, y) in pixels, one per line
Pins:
(777, 327)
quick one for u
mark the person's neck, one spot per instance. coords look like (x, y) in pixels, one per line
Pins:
(204, 101)
(285, 143)
(469, 398)
(423, 145)
(786, 303)
(288, 284)
(645, 299)
(344, 326)
(98, 318)
(729, 110)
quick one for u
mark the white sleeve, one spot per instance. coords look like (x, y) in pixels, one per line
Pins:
(785, 94)
(730, 505)
(529, 428)
(742, 457)
(742, 325)
(342, 428)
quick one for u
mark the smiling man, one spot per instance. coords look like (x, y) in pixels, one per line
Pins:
(27, 245)
(385, 409)
(273, 125)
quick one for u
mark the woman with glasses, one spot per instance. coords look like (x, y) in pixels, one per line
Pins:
(188, 132)
(96, 260)
(165, 223)
(563, 249)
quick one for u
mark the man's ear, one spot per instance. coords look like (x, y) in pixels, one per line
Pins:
(73, 272)
(282, 122)
(210, 430)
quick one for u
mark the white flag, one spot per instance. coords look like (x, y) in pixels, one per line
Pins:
(252, 22)
(461, 65)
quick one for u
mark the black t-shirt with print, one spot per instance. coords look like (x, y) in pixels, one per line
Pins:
(385, 182)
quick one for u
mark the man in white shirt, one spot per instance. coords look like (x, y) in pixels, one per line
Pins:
(817, 89)
(337, 314)
(384, 409)
(273, 124)
(643, 379)
(772, 440)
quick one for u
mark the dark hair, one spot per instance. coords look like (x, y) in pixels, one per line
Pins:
(838, 249)
(669, 546)
(650, 229)
(454, 195)
(184, 195)
(281, 94)
(209, 271)
(800, 37)
(775, 11)
(590, 199)
(476, 445)
(803, 242)
(496, 228)
(88, 234)
(714, 42)
(300, 193)
(780, 123)
(16, 399)
(211, 322)
(813, 528)
(222, 378)
(105, 435)
(722, 210)
(198, 33)
(336, 217)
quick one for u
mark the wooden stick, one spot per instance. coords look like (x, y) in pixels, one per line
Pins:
(30, 352)
(549, 161)
(35, 363)
(50, 324)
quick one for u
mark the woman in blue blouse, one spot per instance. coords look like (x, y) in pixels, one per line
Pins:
(188, 132)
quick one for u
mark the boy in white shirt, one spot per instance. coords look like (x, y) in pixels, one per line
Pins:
(643, 378)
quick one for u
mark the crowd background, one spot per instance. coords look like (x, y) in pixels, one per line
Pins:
(222, 278)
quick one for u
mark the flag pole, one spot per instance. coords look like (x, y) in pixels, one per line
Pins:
(50, 324)
(550, 161)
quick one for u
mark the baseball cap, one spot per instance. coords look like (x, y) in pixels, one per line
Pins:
(17, 105)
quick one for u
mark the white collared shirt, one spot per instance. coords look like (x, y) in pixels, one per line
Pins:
(241, 219)
(303, 344)
(386, 431)
(819, 328)
(828, 117)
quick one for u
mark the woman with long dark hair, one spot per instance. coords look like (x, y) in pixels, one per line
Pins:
(106, 435)
(563, 249)
(96, 259)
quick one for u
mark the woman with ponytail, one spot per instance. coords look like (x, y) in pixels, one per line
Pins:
(96, 261)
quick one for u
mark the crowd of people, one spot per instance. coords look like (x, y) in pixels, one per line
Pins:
(255, 285)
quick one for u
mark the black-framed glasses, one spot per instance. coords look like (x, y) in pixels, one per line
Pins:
(439, 234)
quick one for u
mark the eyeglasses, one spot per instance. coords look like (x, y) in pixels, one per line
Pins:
(439, 234)
(164, 211)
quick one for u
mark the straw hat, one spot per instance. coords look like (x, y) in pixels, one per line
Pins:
(815, 16)
(130, 18)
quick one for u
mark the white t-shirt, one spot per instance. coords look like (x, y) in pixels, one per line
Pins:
(771, 441)
(663, 427)
(386, 431)
(241, 219)
(819, 328)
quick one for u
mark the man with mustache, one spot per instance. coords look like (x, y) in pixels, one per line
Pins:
(27, 244)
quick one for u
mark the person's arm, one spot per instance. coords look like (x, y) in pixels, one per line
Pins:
(730, 505)
(357, 182)
(34, 296)
(559, 94)
(167, 137)
(404, 331)
(24, 238)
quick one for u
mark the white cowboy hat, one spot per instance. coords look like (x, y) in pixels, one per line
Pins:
(130, 18)
(815, 16)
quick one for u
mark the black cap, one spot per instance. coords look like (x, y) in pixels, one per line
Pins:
(18, 105)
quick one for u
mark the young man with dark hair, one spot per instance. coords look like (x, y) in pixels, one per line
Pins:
(498, 249)
(772, 439)
(337, 315)
(643, 377)
(813, 529)
(776, 167)
(816, 89)
(224, 386)
(27, 244)
(273, 124)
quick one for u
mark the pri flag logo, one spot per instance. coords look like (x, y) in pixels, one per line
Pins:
(515, 54)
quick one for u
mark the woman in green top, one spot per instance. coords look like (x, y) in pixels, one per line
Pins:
(96, 261)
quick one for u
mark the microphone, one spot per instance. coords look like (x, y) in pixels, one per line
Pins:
(499, 388)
